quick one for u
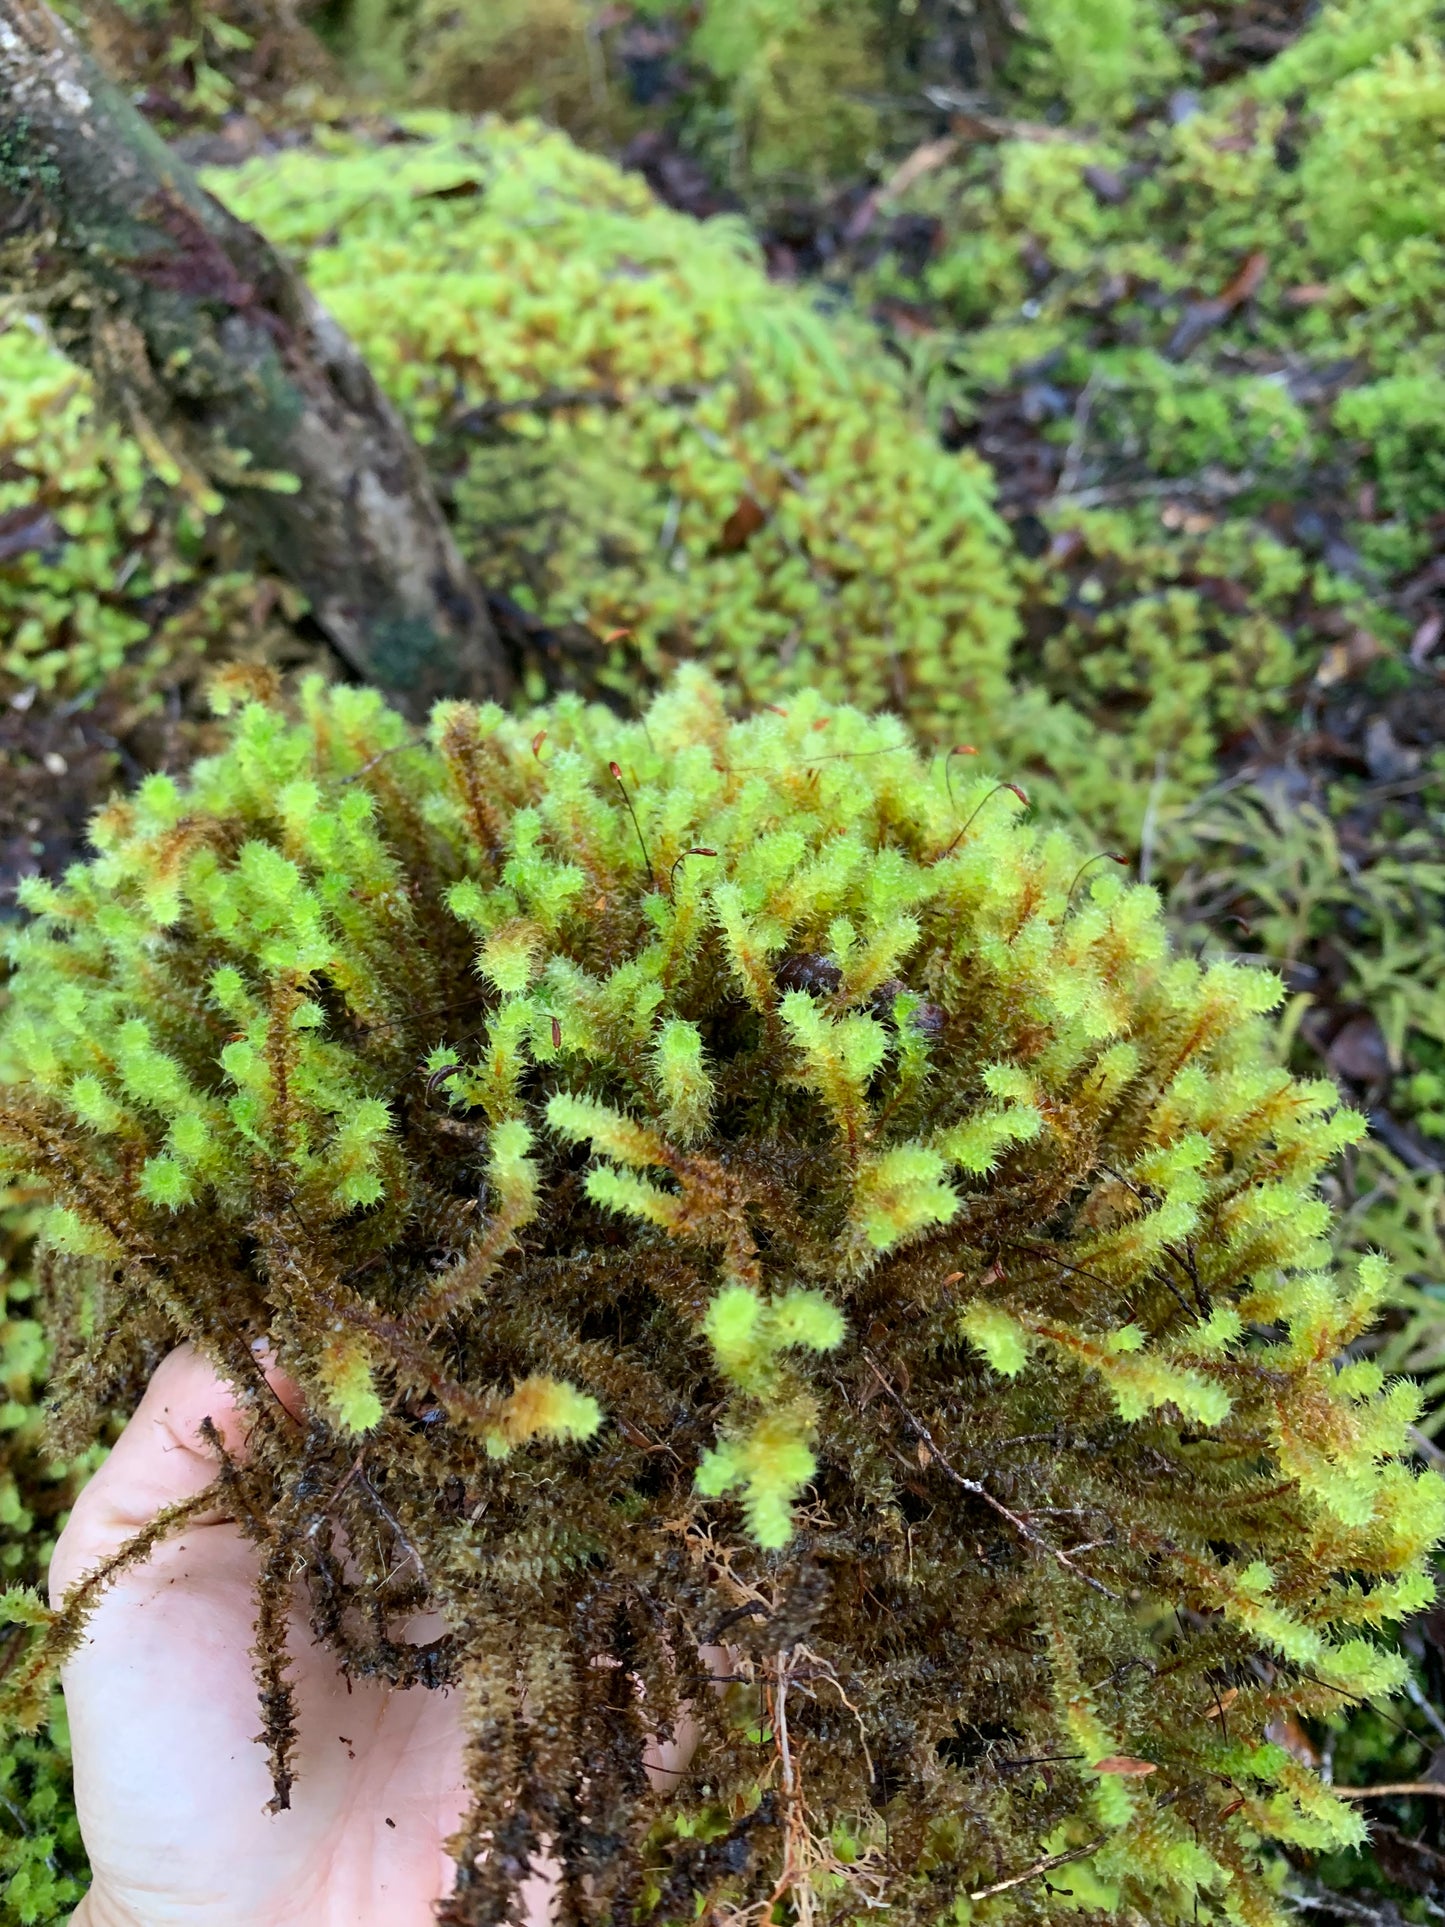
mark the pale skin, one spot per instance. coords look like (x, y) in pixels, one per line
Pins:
(171, 1787)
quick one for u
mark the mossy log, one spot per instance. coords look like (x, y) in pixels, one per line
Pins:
(209, 345)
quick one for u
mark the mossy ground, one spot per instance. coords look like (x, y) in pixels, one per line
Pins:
(1173, 275)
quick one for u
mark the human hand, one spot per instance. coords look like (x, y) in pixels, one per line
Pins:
(170, 1784)
(171, 1788)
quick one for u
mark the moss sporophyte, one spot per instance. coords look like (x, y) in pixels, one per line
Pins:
(731, 1184)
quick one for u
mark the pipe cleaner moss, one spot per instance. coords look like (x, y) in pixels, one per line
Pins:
(717, 1183)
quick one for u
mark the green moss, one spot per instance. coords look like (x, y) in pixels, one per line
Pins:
(42, 1865)
(110, 575)
(782, 93)
(797, 76)
(1245, 305)
(21, 172)
(821, 1109)
(1369, 175)
(1340, 38)
(1164, 645)
(527, 56)
(1104, 58)
(1031, 192)
(751, 485)
(1400, 424)
(1165, 619)
(42, 1862)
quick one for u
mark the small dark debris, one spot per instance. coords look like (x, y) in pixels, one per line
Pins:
(675, 177)
(1107, 185)
(742, 525)
(1359, 1051)
(1042, 402)
(28, 530)
(1388, 760)
(819, 976)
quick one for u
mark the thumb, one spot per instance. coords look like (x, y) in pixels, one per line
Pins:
(159, 1460)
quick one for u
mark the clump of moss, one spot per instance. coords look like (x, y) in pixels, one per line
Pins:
(772, 96)
(42, 1860)
(645, 441)
(1165, 643)
(42, 1865)
(695, 462)
(1223, 323)
(36, 1489)
(799, 79)
(1366, 179)
(526, 57)
(641, 436)
(733, 1180)
(108, 575)
(1357, 923)
(1103, 58)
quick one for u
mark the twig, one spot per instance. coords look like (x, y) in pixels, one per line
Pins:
(1020, 1525)
(1418, 1700)
(384, 1511)
(825, 1672)
(1074, 456)
(1210, 486)
(411, 742)
(1414, 1156)
(971, 123)
(1045, 1865)
(1318, 1900)
(1151, 818)
(780, 1724)
(1431, 1789)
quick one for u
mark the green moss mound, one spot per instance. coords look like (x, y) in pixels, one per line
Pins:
(735, 1164)
(681, 456)
(106, 574)
(776, 96)
(525, 57)
(692, 455)
(644, 438)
